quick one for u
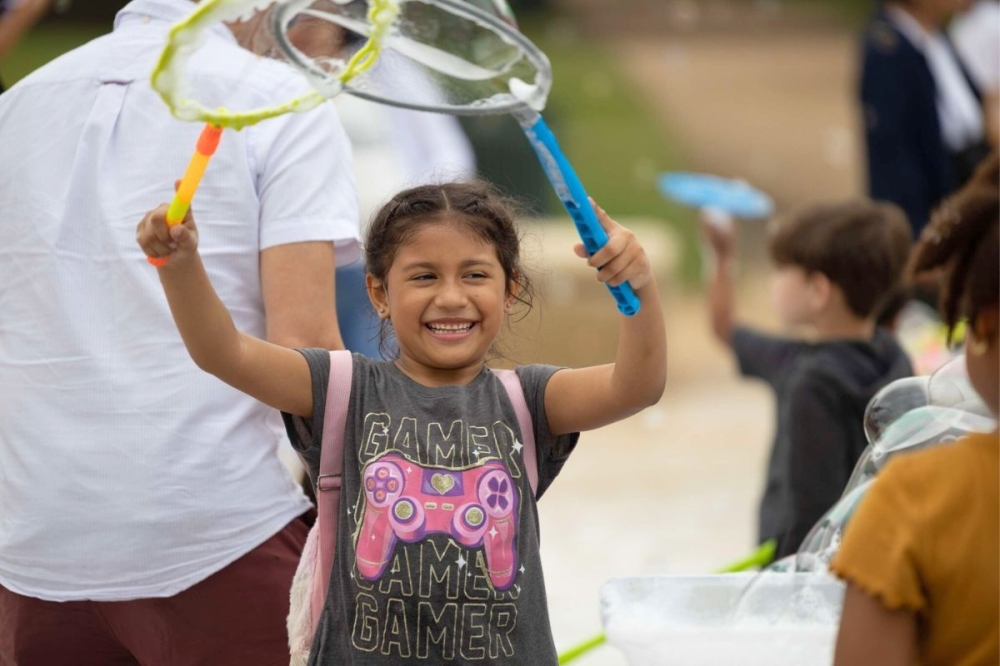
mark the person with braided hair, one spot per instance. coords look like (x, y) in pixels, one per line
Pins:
(921, 557)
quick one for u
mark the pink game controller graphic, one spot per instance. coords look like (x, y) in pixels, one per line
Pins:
(477, 507)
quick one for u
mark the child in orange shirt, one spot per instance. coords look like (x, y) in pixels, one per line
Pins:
(922, 555)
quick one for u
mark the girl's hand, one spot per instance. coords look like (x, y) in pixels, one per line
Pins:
(158, 240)
(622, 259)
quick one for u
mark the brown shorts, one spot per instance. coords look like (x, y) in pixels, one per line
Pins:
(235, 616)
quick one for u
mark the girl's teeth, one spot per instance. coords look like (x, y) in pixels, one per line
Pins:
(450, 328)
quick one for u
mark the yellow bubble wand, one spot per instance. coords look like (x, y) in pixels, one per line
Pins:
(184, 38)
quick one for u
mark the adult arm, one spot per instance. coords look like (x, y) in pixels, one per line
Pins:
(298, 288)
(588, 398)
(277, 376)
(308, 221)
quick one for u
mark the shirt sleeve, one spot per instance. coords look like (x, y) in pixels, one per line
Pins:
(552, 452)
(305, 181)
(306, 434)
(881, 551)
(763, 356)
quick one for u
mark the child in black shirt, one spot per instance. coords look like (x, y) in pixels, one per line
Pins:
(836, 265)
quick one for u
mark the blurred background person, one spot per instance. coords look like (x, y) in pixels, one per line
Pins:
(17, 17)
(835, 265)
(920, 554)
(922, 112)
(393, 149)
(976, 34)
(144, 515)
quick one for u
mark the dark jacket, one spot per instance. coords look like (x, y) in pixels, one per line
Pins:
(908, 162)
(821, 391)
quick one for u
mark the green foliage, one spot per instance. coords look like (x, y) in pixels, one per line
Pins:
(43, 44)
(609, 132)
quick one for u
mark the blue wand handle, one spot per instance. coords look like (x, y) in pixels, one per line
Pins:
(570, 191)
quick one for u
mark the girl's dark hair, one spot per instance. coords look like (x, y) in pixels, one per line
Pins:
(476, 205)
(962, 239)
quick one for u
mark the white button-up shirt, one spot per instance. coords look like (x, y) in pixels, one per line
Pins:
(959, 112)
(126, 472)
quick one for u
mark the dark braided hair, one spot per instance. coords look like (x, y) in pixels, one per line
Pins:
(476, 205)
(962, 239)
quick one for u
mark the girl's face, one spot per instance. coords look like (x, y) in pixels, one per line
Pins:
(445, 295)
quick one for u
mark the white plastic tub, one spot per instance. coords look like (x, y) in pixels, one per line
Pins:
(788, 619)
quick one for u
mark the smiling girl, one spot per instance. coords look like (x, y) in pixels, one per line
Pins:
(438, 559)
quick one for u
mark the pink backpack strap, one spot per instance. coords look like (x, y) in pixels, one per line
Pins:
(331, 470)
(512, 384)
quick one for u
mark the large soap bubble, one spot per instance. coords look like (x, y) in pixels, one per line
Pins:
(892, 402)
(950, 387)
(944, 408)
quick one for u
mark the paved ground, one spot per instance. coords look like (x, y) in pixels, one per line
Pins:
(674, 489)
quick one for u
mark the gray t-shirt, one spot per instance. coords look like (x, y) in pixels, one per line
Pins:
(438, 558)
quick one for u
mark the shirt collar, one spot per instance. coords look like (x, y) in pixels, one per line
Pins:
(169, 11)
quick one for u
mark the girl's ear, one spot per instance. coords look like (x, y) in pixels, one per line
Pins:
(378, 295)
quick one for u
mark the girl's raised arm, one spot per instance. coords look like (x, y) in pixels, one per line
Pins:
(588, 398)
(275, 375)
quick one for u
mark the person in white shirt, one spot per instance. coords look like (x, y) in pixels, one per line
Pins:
(144, 514)
(922, 112)
(976, 34)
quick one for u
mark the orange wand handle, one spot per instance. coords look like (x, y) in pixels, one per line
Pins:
(207, 143)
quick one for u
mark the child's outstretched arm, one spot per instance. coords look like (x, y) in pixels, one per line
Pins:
(588, 398)
(275, 375)
(721, 240)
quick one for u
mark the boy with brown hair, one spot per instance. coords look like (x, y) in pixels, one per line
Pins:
(836, 265)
